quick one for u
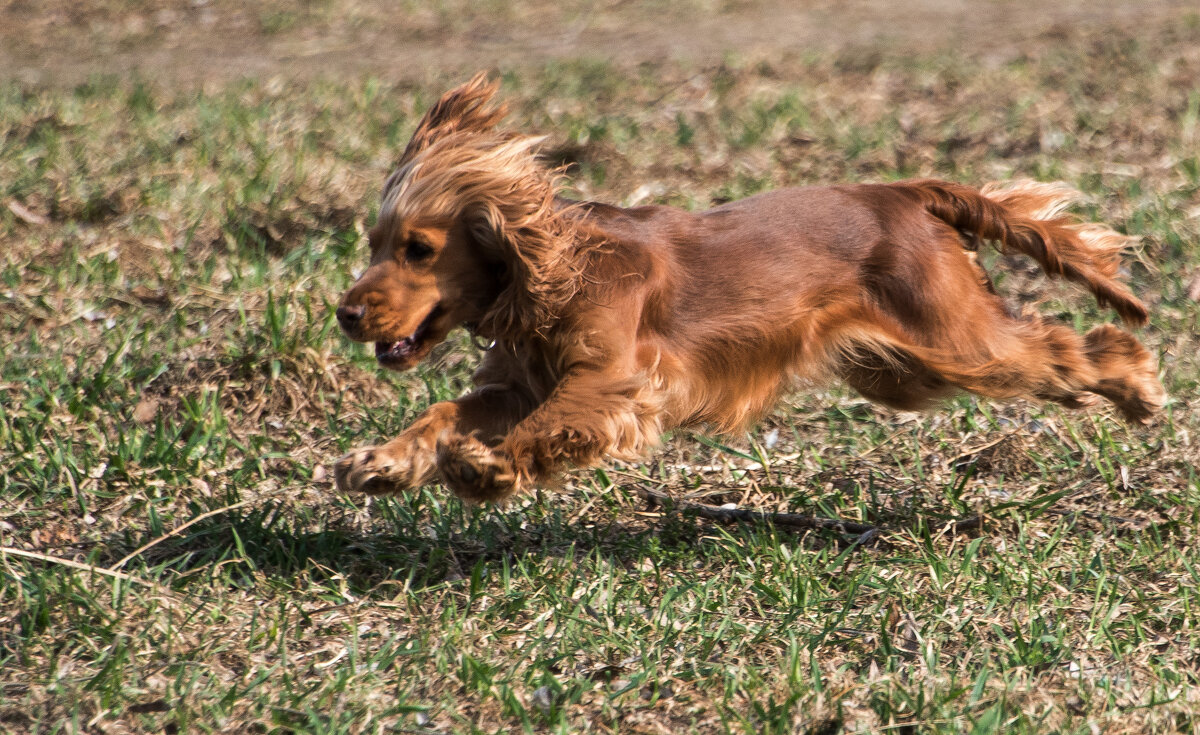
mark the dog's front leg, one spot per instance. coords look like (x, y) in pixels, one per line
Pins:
(409, 460)
(587, 417)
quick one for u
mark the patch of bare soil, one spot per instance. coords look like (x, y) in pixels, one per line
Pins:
(186, 42)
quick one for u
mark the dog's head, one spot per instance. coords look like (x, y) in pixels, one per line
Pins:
(426, 277)
(467, 233)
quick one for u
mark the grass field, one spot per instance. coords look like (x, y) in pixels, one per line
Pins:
(173, 388)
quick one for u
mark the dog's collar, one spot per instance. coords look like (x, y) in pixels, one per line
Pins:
(483, 343)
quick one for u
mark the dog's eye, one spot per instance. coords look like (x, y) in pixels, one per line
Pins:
(416, 251)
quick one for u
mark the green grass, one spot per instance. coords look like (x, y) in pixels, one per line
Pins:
(173, 388)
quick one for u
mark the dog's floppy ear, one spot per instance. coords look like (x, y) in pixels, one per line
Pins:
(466, 108)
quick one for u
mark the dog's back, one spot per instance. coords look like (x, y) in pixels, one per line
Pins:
(864, 282)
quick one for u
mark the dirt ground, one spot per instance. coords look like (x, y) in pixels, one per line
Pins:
(186, 42)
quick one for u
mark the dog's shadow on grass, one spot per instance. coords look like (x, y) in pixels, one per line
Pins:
(416, 550)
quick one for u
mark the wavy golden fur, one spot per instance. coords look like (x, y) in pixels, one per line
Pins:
(611, 326)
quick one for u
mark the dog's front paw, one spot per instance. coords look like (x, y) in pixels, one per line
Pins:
(473, 472)
(391, 468)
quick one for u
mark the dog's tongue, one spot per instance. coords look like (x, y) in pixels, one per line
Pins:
(410, 344)
(400, 348)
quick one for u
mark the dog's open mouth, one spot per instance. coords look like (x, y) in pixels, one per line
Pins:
(410, 349)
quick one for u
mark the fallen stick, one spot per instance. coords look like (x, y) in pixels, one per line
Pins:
(741, 515)
(7, 550)
(971, 523)
(174, 532)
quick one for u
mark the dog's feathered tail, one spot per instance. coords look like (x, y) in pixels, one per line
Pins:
(1030, 356)
(1027, 216)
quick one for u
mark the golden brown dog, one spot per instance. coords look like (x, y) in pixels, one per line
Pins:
(611, 325)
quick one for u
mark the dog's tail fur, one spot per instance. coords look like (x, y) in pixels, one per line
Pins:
(1027, 216)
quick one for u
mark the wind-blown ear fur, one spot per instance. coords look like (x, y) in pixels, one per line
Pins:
(464, 109)
(513, 214)
(534, 241)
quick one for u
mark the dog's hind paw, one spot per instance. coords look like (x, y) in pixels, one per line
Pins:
(390, 468)
(473, 472)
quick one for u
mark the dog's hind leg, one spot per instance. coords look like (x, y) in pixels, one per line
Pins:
(1125, 372)
(1006, 359)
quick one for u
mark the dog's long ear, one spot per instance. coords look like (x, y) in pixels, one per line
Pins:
(466, 108)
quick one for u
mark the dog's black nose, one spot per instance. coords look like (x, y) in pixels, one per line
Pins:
(350, 316)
